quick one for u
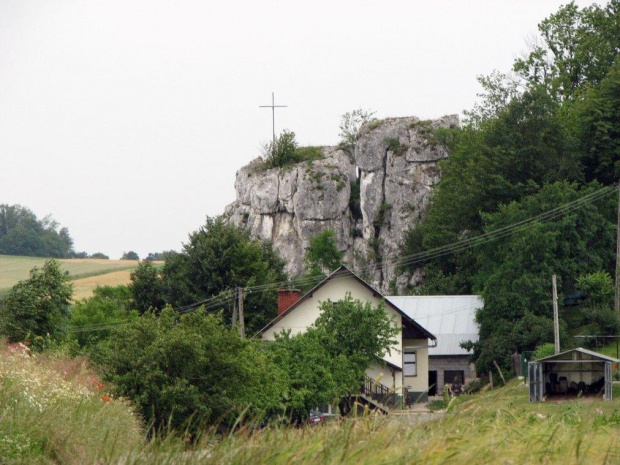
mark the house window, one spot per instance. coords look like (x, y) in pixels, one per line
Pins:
(452, 376)
(409, 363)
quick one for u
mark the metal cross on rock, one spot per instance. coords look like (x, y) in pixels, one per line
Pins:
(273, 107)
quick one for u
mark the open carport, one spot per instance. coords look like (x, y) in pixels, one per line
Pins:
(575, 372)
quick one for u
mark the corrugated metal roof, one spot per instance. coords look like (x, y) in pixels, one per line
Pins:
(562, 356)
(452, 318)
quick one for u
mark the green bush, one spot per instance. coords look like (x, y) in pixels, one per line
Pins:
(284, 151)
(395, 146)
(189, 372)
(37, 306)
(382, 215)
(91, 319)
(603, 322)
(354, 200)
(307, 154)
(281, 151)
(475, 386)
(322, 254)
(544, 350)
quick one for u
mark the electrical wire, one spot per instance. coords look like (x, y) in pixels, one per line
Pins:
(464, 244)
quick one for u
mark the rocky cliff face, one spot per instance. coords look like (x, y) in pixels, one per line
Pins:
(391, 170)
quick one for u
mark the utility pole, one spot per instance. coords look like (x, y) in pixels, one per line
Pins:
(556, 320)
(273, 107)
(241, 316)
(617, 293)
(234, 316)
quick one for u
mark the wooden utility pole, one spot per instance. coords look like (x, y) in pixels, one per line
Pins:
(499, 370)
(234, 317)
(273, 107)
(617, 293)
(241, 316)
(556, 318)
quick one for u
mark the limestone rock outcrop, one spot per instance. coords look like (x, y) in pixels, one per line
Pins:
(391, 170)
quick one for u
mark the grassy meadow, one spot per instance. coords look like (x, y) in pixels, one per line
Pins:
(85, 273)
(498, 426)
(83, 287)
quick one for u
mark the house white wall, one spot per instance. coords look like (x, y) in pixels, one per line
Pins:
(418, 383)
(386, 375)
(304, 315)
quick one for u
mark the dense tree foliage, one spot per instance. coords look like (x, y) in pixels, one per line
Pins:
(328, 361)
(146, 288)
(577, 47)
(21, 233)
(131, 255)
(544, 137)
(218, 258)
(189, 371)
(195, 370)
(159, 256)
(38, 306)
(100, 255)
(91, 320)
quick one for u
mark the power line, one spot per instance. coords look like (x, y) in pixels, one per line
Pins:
(465, 244)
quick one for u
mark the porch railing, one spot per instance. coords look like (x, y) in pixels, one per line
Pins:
(382, 393)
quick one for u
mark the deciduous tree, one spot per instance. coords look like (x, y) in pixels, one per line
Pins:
(37, 306)
(328, 361)
(189, 372)
(218, 258)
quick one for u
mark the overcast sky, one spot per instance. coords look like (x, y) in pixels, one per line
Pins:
(127, 120)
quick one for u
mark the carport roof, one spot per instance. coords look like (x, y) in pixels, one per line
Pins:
(562, 356)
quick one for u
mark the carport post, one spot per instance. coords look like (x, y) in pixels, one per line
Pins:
(556, 322)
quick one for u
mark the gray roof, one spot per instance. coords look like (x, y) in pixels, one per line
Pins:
(567, 356)
(452, 318)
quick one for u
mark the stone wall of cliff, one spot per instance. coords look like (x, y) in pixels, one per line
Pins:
(393, 167)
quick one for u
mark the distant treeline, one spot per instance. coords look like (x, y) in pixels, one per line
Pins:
(21, 233)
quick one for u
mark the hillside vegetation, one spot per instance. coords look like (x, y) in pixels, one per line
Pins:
(22, 233)
(530, 188)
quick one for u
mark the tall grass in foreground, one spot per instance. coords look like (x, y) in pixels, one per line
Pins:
(500, 426)
(52, 412)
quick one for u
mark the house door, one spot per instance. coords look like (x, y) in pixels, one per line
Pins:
(432, 383)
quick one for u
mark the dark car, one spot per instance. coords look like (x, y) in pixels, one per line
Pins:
(316, 418)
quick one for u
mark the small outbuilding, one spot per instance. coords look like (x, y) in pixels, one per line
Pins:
(575, 372)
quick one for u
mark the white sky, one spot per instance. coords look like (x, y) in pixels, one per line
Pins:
(127, 119)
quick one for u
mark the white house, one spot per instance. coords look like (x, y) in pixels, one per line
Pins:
(452, 318)
(407, 364)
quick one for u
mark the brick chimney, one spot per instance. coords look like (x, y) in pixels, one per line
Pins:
(286, 298)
